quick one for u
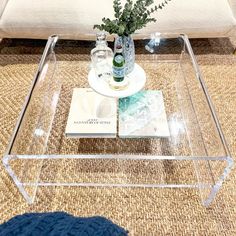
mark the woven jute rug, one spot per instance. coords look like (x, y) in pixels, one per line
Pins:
(141, 211)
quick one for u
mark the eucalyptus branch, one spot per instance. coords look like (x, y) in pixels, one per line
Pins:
(133, 16)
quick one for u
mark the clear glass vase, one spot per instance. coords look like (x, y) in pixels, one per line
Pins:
(129, 51)
(101, 57)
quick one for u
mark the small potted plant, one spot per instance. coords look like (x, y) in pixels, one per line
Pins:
(134, 15)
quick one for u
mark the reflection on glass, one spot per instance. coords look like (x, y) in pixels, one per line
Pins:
(154, 42)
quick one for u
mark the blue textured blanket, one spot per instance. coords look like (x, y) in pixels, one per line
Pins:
(58, 224)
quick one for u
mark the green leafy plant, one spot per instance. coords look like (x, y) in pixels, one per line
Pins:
(133, 16)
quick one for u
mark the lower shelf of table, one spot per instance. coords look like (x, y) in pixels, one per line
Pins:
(123, 171)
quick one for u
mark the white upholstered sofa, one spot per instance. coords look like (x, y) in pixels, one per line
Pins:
(75, 18)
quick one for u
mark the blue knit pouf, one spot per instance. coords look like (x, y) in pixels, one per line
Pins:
(60, 223)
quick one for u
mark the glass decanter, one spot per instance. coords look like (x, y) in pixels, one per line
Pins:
(102, 57)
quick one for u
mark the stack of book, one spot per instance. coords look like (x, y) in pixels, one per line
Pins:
(93, 115)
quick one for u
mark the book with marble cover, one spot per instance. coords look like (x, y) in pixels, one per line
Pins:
(143, 115)
(91, 115)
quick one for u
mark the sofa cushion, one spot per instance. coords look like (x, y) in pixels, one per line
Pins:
(75, 18)
(196, 18)
(41, 18)
(232, 4)
(3, 4)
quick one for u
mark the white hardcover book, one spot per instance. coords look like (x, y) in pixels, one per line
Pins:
(143, 115)
(91, 115)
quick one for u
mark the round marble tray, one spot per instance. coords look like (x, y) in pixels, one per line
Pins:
(136, 81)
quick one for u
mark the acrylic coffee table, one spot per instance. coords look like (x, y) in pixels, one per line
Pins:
(194, 156)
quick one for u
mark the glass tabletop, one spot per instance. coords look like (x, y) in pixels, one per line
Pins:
(195, 138)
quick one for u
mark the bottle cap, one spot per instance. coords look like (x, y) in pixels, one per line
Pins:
(119, 46)
(101, 36)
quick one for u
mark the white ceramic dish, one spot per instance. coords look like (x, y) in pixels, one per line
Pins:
(136, 81)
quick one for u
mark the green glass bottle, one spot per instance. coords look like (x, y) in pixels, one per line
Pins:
(119, 64)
